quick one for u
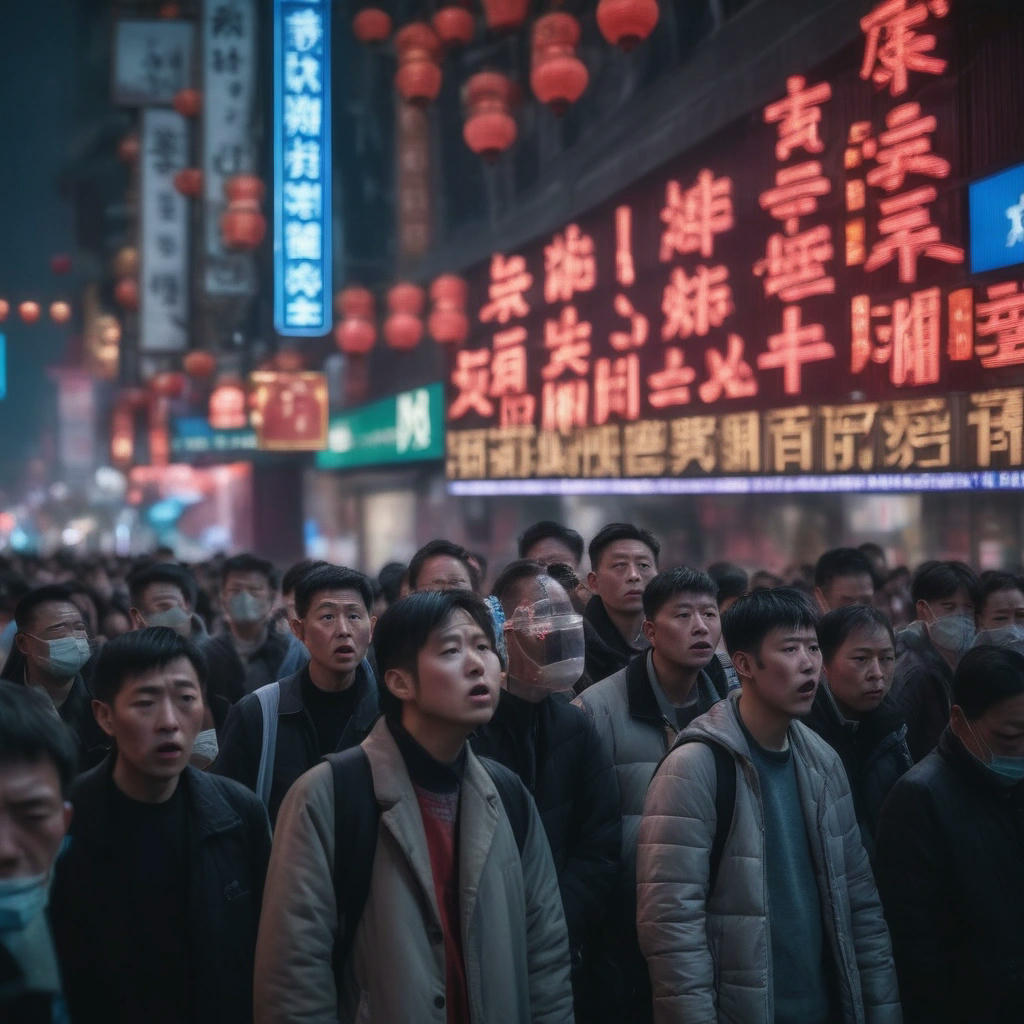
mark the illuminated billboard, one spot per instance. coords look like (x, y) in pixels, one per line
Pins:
(997, 220)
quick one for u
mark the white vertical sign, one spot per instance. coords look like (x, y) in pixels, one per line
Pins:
(163, 319)
(152, 61)
(229, 77)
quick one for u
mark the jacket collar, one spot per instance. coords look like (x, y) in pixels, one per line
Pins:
(597, 615)
(639, 695)
(365, 710)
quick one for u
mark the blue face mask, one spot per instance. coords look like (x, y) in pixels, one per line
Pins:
(1011, 768)
(21, 901)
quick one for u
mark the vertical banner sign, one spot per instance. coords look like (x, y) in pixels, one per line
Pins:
(163, 319)
(229, 76)
(302, 168)
(152, 61)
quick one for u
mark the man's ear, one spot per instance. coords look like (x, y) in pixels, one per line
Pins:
(373, 626)
(592, 582)
(21, 642)
(819, 596)
(104, 715)
(648, 631)
(743, 662)
(298, 628)
(400, 683)
(924, 611)
(68, 811)
(138, 622)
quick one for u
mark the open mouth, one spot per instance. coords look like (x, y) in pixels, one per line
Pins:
(480, 690)
(345, 649)
(700, 646)
(169, 749)
(809, 687)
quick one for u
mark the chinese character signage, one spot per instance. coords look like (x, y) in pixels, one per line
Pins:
(997, 220)
(408, 427)
(193, 435)
(289, 410)
(302, 168)
(163, 279)
(229, 77)
(790, 300)
(152, 61)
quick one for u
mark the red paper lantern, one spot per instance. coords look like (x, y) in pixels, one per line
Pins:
(29, 311)
(126, 293)
(60, 263)
(170, 11)
(557, 77)
(242, 225)
(169, 384)
(356, 334)
(227, 405)
(189, 182)
(199, 363)
(5, 309)
(454, 25)
(60, 311)
(128, 149)
(188, 102)
(448, 322)
(490, 128)
(502, 15)
(355, 301)
(624, 23)
(404, 325)
(372, 25)
(418, 78)
(126, 262)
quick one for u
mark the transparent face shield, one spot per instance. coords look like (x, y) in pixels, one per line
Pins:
(548, 634)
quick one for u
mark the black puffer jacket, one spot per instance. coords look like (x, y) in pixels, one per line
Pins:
(606, 650)
(921, 688)
(950, 870)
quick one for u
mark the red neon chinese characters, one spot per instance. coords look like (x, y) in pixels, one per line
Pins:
(798, 116)
(639, 327)
(794, 346)
(510, 280)
(728, 375)
(569, 265)
(568, 339)
(906, 147)
(508, 365)
(1001, 319)
(693, 304)
(796, 193)
(617, 388)
(671, 386)
(794, 265)
(907, 234)
(625, 271)
(564, 405)
(893, 47)
(907, 338)
(471, 377)
(693, 216)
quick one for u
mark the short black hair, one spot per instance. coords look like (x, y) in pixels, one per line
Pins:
(992, 582)
(435, 548)
(132, 654)
(840, 623)
(548, 528)
(985, 676)
(330, 577)
(12, 589)
(752, 618)
(732, 581)
(247, 562)
(390, 578)
(512, 575)
(31, 730)
(612, 532)
(404, 629)
(294, 573)
(162, 572)
(680, 580)
(936, 580)
(841, 562)
(51, 593)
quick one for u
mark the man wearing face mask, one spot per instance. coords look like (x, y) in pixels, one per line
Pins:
(555, 750)
(51, 648)
(945, 595)
(950, 849)
(37, 766)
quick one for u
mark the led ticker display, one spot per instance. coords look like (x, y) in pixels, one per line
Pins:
(775, 303)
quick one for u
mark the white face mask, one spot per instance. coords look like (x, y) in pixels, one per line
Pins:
(1002, 636)
(550, 639)
(65, 656)
(953, 633)
(21, 901)
(246, 609)
(175, 618)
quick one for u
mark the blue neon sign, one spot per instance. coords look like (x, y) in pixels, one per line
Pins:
(302, 167)
(997, 220)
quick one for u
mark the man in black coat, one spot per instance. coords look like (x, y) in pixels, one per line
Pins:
(155, 902)
(555, 750)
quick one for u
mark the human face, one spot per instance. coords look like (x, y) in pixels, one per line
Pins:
(549, 550)
(336, 630)
(957, 603)
(33, 817)
(860, 672)
(685, 630)
(154, 720)
(623, 570)
(842, 591)
(999, 732)
(53, 620)
(246, 597)
(785, 672)
(443, 572)
(1002, 608)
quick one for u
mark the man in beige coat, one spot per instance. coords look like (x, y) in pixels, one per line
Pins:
(462, 922)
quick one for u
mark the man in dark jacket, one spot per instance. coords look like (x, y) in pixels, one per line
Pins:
(555, 750)
(329, 705)
(155, 902)
(950, 850)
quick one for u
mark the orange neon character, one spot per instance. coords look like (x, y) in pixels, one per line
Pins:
(568, 338)
(961, 325)
(798, 116)
(569, 265)
(692, 305)
(907, 233)
(508, 364)
(639, 327)
(796, 193)
(728, 375)
(998, 418)
(517, 410)
(793, 346)
(617, 388)
(510, 280)
(860, 332)
(794, 265)
(564, 405)
(693, 216)
(671, 386)
(625, 271)
(467, 455)
(692, 440)
(908, 338)
(906, 148)
(894, 48)
(1001, 319)
(471, 376)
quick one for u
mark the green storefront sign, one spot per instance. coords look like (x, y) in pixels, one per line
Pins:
(408, 427)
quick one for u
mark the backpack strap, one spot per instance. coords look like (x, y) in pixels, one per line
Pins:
(514, 798)
(725, 806)
(269, 697)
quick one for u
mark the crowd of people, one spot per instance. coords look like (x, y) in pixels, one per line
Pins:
(633, 794)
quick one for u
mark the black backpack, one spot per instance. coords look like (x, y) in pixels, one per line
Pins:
(356, 819)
